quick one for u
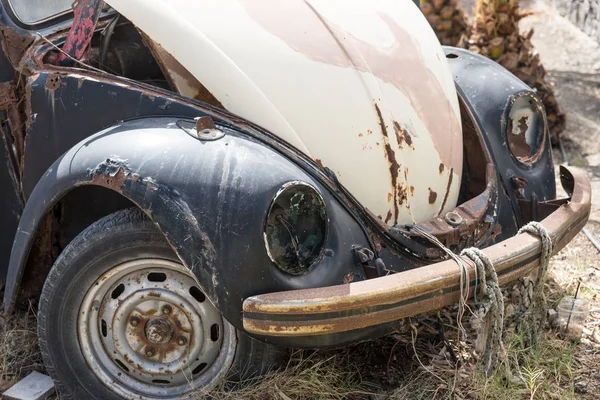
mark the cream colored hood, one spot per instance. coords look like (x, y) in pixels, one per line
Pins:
(362, 87)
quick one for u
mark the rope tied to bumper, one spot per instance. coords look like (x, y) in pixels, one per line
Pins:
(534, 314)
(489, 317)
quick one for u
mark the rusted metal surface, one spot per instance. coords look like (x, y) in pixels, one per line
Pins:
(356, 305)
(86, 14)
(526, 127)
(394, 169)
(394, 69)
(179, 78)
(15, 45)
(205, 123)
(531, 211)
(141, 325)
(33, 60)
(40, 260)
(17, 119)
(432, 196)
(203, 129)
(470, 223)
(115, 173)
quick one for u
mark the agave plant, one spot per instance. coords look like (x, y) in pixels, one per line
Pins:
(495, 34)
(446, 18)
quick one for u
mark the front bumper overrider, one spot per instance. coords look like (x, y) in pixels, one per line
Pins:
(343, 308)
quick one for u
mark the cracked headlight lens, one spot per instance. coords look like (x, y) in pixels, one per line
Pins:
(296, 228)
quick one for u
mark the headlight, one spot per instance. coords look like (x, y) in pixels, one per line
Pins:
(526, 128)
(296, 228)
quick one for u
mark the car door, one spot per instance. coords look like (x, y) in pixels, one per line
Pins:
(20, 17)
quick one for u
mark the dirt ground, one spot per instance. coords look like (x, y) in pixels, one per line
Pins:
(573, 61)
(413, 364)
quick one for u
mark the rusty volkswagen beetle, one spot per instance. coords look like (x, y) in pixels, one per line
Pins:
(191, 186)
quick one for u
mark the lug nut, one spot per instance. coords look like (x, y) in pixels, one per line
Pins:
(134, 321)
(167, 309)
(150, 352)
(181, 340)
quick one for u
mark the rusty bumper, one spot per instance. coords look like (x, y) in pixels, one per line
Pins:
(335, 309)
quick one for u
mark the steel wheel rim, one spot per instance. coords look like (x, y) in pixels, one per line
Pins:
(147, 330)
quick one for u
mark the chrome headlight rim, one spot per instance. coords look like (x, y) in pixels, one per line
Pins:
(521, 123)
(273, 252)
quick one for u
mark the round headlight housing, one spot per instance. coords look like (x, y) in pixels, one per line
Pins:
(526, 127)
(296, 228)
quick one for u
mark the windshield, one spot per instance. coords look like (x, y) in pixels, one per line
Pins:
(34, 11)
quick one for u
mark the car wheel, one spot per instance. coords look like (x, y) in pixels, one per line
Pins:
(121, 317)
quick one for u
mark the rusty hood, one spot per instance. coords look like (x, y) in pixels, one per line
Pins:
(361, 87)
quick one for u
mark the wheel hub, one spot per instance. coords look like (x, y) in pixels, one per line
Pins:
(159, 330)
(146, 329)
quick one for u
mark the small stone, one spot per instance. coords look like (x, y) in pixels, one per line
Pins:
(552, 314)
(581, 387)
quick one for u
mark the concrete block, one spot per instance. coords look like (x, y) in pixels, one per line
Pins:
(34, 386)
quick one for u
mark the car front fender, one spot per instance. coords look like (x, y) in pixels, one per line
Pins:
(208, 198)
(488, 91)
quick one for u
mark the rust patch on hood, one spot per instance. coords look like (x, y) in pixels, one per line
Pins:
(400, 64)
(402, 136)
(394, 166)
(432, 196)
(450, 176)
(388, 217)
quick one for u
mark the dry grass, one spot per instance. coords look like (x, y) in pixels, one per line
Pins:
(307, 375)
(422, 360)
(19, 353)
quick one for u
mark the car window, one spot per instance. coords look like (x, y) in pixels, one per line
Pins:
(33, 11)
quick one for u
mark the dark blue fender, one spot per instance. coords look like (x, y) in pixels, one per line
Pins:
(209, 199)
(488, 89)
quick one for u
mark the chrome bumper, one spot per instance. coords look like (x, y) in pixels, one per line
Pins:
(341, 308)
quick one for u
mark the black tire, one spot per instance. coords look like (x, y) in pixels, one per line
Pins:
(117, 238)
